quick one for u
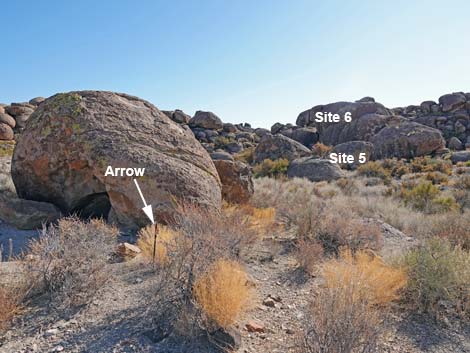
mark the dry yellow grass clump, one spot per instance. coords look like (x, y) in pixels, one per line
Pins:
(166, 241)
(222, 292)
(373, 280)
(257, 220)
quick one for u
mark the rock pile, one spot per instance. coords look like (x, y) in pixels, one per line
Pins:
(13, 117)
(450, 115)
(64, 142)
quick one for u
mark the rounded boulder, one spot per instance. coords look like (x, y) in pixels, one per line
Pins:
(72, 138)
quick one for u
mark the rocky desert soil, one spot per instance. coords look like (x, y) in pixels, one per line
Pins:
(117, 320)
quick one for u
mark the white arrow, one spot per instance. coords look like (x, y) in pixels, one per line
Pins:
(147, 208)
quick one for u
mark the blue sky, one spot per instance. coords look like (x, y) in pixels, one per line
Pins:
(248, 61)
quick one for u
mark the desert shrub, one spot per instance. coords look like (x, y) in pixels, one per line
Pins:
(205, 240)
(397, 168)
(334, 322)
(308, 254)
(335, 232)
(453, 226)
(222, 141)
(165, 239)
(375, 281)
(426, 197)
(463, 182)
(301, 206)
(334, 228)
(373, 169)
(68, 260)
(321, 150)
(438, 273)
(222, 292)
(347, 185)
(9, 306)
(427, 164)
(246, 155)
(13, 294)
(347, 313)
(461, 191)
(437, 178)
(7, 148)
(269, 168)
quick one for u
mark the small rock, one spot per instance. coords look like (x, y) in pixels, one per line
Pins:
(255, 326)
(51, 332)
(269, 302)
(128, 250)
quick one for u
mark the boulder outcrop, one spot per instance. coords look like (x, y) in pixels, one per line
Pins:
(354, 148)
(314, 169)
(237, 183)
(279, 146)
(6, 132)
(27, 214)
(71, 139)
(405, 139)
(206, 120)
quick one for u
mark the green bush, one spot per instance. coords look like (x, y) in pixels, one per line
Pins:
(270, 168)
(438, 274)
(427, 197)
(246, 156)
(428, 164)
(222, 141)
(373, 170)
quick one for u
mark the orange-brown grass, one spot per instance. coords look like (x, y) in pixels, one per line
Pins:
(257, 220)
(374, 281)
(321, 150)
(222, 292)
(165, 242)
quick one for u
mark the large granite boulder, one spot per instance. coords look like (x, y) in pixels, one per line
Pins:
(357, 109)
(237, 183)
(27, 214)
(6, 132)
(7, 119)
(314, 169)
(361, 128)
(72, 138)
(354, 148)
(36, 101)
(405, 139)
(307, 136)
(178, 116)
(279, 146)
(453, 101)
(367, 118)
(206, 120)
(461, 156)
(21, 112)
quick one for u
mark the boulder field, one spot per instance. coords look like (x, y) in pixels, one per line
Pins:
(70, 140)
(66, 142)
